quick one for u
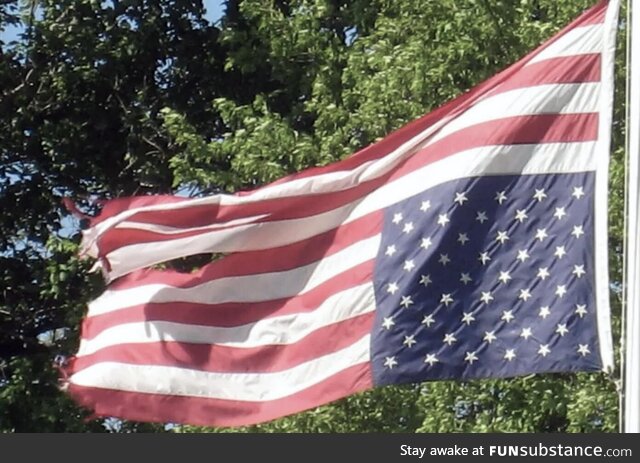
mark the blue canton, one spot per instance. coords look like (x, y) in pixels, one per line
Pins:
(487, 277)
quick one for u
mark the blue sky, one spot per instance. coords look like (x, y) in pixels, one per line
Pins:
(214, 11)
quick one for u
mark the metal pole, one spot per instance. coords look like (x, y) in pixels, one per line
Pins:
(632, 341)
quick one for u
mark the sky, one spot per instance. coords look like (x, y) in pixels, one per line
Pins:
(214, 11)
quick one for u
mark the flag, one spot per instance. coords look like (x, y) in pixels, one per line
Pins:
(471, 243)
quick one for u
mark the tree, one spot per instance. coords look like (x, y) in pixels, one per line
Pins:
(81, 98)
(103, 99)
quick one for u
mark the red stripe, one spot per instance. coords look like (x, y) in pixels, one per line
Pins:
(543, 128)
(201, 216)
(521, 130)
(216, 412)
(229, 314)
(565, 70)
(595, 15)
(270, 260)
(115, 206)
(224, 359)
(380, 149)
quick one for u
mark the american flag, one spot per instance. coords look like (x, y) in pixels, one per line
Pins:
(471, 243)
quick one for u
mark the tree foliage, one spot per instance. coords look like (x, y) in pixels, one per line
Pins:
(108, 98)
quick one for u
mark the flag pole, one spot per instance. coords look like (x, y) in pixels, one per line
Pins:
(632, 314)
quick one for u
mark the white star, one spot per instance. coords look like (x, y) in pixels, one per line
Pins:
(541, 234)
(425, 243)
(578, 270)
(406, 301)
(544, 311)
(543, 273)
(391, 250)
(523, 255)
(446, 299)
(463, 238)
(468, 318)
(449, 339)
(408, 265)
(540, 195)
(583, 349)
(431, 359)
(425, 206)
(388, 322)
(544, 350)
(461, 198)
(561, 290)
(470, 357)
(578, 231)
(486, 297)
(425, 280)
(504, 277)
(581, 310)
(507, 315)
(560, 213)
(502, 237)
(562, 329)
(428, 320)
(482, 217)
(465, 278)
(390, 362)
(510, 354)
(489, 336)
(444, 259)
(484, 258)
(500, 197)
(525, 294)
(397, 218)
(578, 192)
(392, 288)
(560, 252)
(408, 227)
(521, 215)
(526, 333)
(409, 341)
(443, 219)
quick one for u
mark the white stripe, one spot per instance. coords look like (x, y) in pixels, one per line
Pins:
(601, 227)
(249, 288)
(281, 330)
(548, 158)
(543, 99)
(579, 41)
(489, 160)
(230, 236)
(168, 230)
(228, 386)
